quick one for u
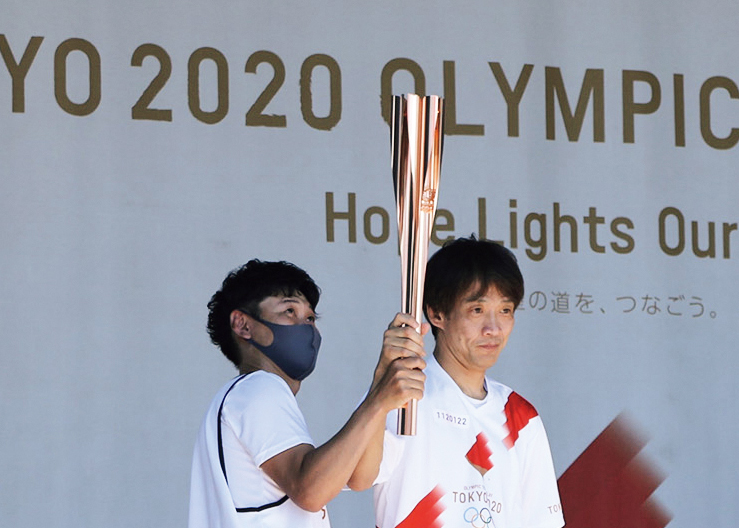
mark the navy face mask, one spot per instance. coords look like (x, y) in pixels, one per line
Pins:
(294, 348)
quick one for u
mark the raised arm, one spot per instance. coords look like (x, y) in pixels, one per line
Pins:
(402, 345)
(310, 476)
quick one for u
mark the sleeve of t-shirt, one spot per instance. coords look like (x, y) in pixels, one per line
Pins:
(264, 415)
(541, 503)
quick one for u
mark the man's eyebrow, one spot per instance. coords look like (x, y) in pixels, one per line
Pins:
(478, 298)
(294, 300)
(289, 300)
(473, 298)
(284, 300)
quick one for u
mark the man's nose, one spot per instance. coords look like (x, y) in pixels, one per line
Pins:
(492, 324)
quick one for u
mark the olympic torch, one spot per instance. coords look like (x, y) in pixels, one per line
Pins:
(417, 139)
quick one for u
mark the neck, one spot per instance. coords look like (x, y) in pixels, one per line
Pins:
(253, 360)
(470, 382)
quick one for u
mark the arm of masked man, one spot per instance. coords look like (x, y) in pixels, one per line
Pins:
(400, 362)
(312, 476)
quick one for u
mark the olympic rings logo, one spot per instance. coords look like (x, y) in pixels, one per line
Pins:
(478, 519)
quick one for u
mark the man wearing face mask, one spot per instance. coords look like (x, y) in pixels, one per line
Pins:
(254, 462)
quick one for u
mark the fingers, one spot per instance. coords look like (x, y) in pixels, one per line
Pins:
(403, 380)
(400, 343)
(411, 363)
(403, 319)
(404, 337)
(400, 340)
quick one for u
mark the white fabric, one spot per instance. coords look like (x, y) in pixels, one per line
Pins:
(433, 468)
(260, 418)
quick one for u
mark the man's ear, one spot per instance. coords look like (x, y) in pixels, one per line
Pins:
(240, 324)
(436, 318)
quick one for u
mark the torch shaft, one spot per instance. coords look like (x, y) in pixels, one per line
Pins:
(417, 144)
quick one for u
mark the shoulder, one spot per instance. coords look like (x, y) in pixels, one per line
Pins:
(258, 382)
(512, 402)
(519, 411)
(520, 414)
(438, 380)
(255, 389)
(260, 398)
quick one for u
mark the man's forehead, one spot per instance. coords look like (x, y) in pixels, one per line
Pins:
(478, 292)
(283, 299)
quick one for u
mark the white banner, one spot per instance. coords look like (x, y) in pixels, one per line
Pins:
(147, 148)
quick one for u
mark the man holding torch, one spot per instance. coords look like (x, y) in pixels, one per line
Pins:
(480, 455)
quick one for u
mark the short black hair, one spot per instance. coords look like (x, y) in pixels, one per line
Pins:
(465, 262)
(247, 286)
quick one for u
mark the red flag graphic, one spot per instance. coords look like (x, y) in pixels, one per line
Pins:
(518, 413)
(427, 511)
(609, 485)
(480, 453)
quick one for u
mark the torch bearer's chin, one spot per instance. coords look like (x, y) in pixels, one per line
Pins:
(417, 143)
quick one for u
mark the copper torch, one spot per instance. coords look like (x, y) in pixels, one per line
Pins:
(417, 139)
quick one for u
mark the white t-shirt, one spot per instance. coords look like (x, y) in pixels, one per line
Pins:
(250, 420)
(473, 463)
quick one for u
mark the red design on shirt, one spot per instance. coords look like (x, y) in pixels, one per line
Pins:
(518, 412)
(611, 485)
(427, 511)
(480, 453)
